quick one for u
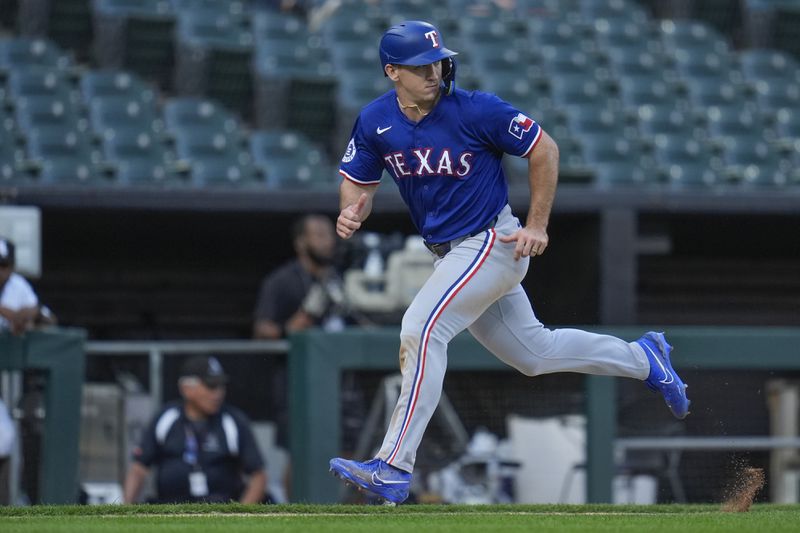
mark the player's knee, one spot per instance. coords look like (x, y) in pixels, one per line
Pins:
(530, 368)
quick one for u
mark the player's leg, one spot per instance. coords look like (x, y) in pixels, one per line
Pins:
(461, 287)
(510, 330)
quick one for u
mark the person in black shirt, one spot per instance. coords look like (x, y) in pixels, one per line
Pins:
(306, 291)
(203, 449)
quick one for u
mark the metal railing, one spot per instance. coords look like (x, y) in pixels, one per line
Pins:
(157, 350)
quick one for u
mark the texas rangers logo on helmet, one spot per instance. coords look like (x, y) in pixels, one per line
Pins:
(433, 38)
(519, 125)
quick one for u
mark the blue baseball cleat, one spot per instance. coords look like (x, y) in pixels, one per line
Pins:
(663, 377)
(374, 477)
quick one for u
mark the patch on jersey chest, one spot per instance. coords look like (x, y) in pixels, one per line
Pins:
(520, 125)
(350, 153)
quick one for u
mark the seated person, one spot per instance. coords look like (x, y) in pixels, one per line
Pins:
(203, 448)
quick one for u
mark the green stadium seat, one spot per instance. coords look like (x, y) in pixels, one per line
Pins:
(750, 160)
(570, 89)
(41, 81)
(141, 159)
(66, 157)
(120, 113)
(768, 64)
(214, 57)
(612, 34)
(216, 158)
(67, 22)
(627, 10)
(290, 160)
(136, 35)
(669, 118)
(119, 83)
(636, 91)
(733, 121)
(692, 36)
(591, 118)
(777, 94)
(27, 52)
(198, 114)
(47, 112)
(569, 31)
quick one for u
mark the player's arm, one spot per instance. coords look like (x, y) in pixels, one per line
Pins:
(134, 481)
(355, 202)
(543, 179)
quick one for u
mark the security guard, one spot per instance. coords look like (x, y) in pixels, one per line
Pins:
(203, 448)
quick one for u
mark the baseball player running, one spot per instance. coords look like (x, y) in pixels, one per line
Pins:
(443, 147)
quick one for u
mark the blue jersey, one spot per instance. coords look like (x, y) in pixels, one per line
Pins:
(448, 165)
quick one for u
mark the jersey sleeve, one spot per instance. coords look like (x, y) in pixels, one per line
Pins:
(360, 163)
(504, 127)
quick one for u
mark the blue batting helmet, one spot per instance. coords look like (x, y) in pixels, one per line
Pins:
(415, 43)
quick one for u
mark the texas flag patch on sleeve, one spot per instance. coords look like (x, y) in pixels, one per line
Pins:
(520, 125)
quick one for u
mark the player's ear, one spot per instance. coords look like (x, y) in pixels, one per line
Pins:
(391, 72)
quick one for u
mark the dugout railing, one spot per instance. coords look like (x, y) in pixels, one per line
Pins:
(317, 361)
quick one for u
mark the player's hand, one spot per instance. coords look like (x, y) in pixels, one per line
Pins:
(349, 220)
(530, 241)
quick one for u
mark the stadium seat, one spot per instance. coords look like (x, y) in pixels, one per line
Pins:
(692, 36)
(638, 62)
(137, 35)
(214, 56)
(103, 83)
(577, 89)
(120, 113)
(47, 112)
(684, 160)
(636, 91)
(290, 160)
(66, 157)
(751, 161)
(613, 9)
(692, 64)
(41, 81)
(67, 22)
(787, 125)
(593, 119)
(198, 114)
(570, 31)
(704, 92)
(733, 121)
(777, 94)
(612, 34)
(668, 119)
(10, 157)
(599, 148)
(621, 173)
(231, 7)
(140, 158)
(216, 158)
(767, 64)
(26, 52)
(275, 26)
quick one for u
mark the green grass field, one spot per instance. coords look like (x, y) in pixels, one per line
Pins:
(407, 519)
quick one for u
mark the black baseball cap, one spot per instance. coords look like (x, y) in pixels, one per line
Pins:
(6, 252)
(206, 368)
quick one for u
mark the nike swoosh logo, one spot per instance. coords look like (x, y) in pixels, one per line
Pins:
(668, 378)
(378, 481)
(382, 130)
